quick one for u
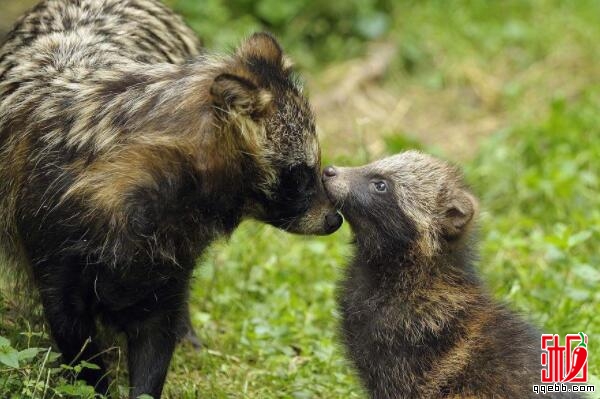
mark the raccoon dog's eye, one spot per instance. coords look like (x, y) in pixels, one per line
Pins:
(380, 186)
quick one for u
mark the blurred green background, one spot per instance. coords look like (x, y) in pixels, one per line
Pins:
(509, 90)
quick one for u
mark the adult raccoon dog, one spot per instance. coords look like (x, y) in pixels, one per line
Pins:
(124, 152)
(416, 320)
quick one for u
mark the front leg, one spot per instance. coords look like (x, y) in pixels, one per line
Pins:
(149, 352)
(151, 340)
(150, 348)
(75, 336)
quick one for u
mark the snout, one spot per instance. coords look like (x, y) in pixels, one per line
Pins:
(329, 172)
(333, 221)
(321, 218)
(334, 185)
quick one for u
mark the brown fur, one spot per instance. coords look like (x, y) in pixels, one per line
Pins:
(125, 151)
(416, 320)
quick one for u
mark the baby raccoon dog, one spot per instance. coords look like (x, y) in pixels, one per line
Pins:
(416, 321)
(124, 152)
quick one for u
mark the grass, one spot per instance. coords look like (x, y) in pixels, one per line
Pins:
(267, 340)
(510, 90)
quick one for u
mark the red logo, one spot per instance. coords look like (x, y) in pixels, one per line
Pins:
(566, 363)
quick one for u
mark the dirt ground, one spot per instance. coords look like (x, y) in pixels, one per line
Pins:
(355, 109)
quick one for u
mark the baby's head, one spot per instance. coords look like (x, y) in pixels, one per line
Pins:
(409, 201)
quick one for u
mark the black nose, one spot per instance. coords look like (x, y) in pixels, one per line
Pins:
(329, 171)
(334, 221)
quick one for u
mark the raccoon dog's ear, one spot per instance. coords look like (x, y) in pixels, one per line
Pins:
(261, 46)
(264, 47)
(458, 213)
(234, 95)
